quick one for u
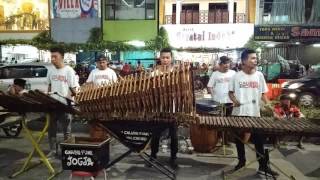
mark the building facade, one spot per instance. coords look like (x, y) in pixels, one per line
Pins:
(72, 20)
(129, 20)
(290, 29)
(208, 25)
(208, 11)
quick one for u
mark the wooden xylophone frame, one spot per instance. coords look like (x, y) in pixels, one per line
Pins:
(148, 94)
(264, 125)
(35, 101)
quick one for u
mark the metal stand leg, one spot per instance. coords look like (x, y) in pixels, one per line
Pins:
(157, 165)
(118, 158)
(36, 148)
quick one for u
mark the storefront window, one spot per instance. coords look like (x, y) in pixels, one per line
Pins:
(26, 15)
(291, 12)
(129, 9)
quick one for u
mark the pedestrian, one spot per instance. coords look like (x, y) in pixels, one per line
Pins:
(140, 67)
(62, 81)
(247, 88)
(126, 70)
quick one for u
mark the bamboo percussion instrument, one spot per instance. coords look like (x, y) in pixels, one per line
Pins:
(265, 125)
(163, 91)
(36, 101)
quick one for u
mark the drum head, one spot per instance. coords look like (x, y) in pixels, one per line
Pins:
(207, 105)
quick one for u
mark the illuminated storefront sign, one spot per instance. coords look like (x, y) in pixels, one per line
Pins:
(24, 15)
(287, 33)
(75, 8)
(223, 36)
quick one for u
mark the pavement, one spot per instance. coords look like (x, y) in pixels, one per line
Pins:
(302, 164)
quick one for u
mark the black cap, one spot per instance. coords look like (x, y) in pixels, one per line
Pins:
(285, 97)
(224, 60)
(20, 82)
(101, 58)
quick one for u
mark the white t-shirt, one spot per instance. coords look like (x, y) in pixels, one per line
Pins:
(219, 84)
(102, 76)
(62, 80)
(248, 90)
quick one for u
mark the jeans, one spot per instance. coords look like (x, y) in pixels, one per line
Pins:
(173, 145)
(259, 141)
(64, 121)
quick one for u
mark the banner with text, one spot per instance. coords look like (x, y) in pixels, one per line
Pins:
(75, 8)
(222, 36)
(287, 33)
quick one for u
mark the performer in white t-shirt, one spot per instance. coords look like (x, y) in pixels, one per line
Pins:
(103, 74)
(247, 88)
(62, 80)
(219, 82)
(166, 65)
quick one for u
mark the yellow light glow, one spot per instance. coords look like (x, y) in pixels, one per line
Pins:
(23, 15)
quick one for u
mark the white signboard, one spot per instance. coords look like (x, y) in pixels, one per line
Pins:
(222, 36)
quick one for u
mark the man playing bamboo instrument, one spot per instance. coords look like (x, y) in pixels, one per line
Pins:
(218, 87)
(166, 64)
(103, 74)
(247, 88)
(62, 80)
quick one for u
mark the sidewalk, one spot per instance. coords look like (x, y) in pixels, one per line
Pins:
(302, 164)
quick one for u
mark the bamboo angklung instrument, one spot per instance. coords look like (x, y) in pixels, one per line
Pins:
(164, 92)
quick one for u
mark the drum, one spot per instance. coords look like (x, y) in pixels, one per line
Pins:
(204, 139)
(96, 131)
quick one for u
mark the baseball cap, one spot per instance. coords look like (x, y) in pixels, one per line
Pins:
(101, 58)
(224, 60)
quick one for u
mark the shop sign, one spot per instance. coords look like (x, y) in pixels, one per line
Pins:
(75, 8)
(222, 36)
(287, 33)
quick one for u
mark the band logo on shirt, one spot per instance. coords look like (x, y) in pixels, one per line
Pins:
(59, 78)
(223, 80)
(102, 77)
(249, 84)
